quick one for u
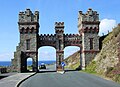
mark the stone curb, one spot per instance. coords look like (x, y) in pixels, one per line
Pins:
(18, 84)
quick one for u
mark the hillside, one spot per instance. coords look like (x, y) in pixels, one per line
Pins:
(107, 61)
(73, 61)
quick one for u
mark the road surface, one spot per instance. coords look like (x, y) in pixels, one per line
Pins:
(49, 68)
(69, 79)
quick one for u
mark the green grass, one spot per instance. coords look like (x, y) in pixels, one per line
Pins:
(91, 67)
(89, 71)
(29, 67)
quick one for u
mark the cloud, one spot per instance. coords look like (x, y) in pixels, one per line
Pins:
(47, 53)
(6, 56)
(107, 25)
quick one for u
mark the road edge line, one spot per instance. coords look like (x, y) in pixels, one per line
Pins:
(18, 84)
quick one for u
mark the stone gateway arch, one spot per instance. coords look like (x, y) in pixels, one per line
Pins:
(31, 41)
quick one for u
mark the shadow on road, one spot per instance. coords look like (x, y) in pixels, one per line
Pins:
(56, 71)
(70, 70)
(46, 71)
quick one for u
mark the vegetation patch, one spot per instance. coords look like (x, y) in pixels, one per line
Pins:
(29, 67)
(91, 68)
(114, 73)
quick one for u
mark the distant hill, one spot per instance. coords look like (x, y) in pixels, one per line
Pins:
(107, 61)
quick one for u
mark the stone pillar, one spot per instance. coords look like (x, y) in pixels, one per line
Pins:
(59, 29)
(82, 60)
(35, 62)
(59, 60)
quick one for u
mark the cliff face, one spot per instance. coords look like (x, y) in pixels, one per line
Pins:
(107, 61)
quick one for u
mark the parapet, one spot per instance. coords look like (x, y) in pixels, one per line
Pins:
(28, 16)
(59, 24)
(90, 15)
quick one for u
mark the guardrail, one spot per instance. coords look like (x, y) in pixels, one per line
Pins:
(3, 70)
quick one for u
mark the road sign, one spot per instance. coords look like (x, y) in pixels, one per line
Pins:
(63, 64)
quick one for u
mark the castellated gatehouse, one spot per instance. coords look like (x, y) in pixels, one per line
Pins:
(31, 41)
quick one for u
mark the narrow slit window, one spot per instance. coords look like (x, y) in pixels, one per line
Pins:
(91, 43)
(59, 44)
(28, 44)
(59, 59)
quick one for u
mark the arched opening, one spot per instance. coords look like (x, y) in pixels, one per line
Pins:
(72, 57)
(29, 64)
(47, 57)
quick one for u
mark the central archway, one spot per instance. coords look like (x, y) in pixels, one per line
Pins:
(47, 56)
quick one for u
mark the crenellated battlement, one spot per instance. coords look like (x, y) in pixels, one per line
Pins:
(48, 37)
(72, 37)
(28, 16)
(88, 22)
(90, 16)
(28, 22)
(59, 24)
(59, 27)
(47, 40)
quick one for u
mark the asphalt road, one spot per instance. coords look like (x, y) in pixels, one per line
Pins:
(69, 79)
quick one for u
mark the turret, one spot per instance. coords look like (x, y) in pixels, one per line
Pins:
(88, 22)
(59, 30)
(29, 28)
(88, 27)
(28, 22)
(59, 27)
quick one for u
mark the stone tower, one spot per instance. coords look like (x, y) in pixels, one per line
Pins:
(88, 26)
(59, 30)
(28, 28)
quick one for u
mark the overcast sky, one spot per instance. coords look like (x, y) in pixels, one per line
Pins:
(50, 12)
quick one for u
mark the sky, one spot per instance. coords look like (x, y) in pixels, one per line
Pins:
(50, 12)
